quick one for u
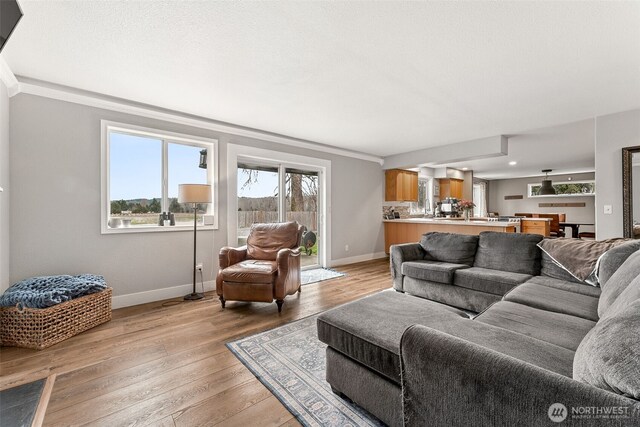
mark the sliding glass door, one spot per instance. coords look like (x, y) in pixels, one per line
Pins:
(260, 200)
(301, 204)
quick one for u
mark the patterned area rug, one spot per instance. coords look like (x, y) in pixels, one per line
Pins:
(290, 361)
(318, 275)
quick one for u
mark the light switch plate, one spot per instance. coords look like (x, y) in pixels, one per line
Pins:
(608, 209)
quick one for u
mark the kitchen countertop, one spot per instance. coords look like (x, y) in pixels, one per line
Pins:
(452, 222)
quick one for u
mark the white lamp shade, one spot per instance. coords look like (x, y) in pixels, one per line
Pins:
(194, 193)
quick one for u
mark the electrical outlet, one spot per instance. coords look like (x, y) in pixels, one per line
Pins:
(199, 266)
(608, 209)
(346, 248)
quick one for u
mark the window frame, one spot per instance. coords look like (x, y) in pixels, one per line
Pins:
(581, 181)
(166, 137)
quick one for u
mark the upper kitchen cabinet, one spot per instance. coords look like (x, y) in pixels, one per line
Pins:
(401, 186)
(451, 187)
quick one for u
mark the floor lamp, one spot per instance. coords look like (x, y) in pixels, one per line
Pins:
(194, 193)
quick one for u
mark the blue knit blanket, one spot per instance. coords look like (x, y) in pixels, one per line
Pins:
(45, 291)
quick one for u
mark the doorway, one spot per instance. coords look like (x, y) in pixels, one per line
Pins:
(270, 192)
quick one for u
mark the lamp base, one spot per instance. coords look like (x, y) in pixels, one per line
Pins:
(193, 296)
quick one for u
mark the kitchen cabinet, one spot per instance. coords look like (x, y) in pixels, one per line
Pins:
(540, 226)
(401, 186)
(451, 187)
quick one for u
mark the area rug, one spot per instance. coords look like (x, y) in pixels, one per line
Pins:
(318, 275)
(19, 404)
(290, 362)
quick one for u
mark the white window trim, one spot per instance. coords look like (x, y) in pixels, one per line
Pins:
(242, 152)
(585, 181)
(105, 127)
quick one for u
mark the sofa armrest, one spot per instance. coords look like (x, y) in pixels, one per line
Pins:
(450, 381)
(288, 280)
(400, 254)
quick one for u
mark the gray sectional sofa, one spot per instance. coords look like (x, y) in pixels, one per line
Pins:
(540, 339)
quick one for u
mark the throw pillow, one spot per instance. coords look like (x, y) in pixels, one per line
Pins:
(578, 257)
(551, 268)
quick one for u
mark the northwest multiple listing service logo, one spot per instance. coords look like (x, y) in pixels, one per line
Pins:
(558, 413)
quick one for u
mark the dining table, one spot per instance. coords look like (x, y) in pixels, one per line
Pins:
(574, 226)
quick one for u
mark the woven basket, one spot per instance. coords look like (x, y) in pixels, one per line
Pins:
(43, 327)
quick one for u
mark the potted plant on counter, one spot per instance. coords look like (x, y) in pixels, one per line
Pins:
(466, 206)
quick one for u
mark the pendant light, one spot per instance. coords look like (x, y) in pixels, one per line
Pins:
(547, 189)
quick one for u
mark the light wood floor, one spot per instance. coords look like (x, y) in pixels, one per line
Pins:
(166, 364)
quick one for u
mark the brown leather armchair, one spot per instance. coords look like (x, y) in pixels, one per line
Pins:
(266, 269)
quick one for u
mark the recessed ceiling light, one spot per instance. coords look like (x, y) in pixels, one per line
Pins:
(513, 163)
(465, 169)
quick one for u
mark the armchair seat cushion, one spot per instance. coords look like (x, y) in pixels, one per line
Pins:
(433, 271)
(251, 271)
(487, 280)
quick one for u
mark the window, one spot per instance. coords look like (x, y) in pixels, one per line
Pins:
(141, 171)
(425, 195)
(480, 199)
(566, 189)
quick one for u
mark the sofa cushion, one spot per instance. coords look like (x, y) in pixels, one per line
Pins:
(449, 247)
(434, 271)
(614, 258)
(467, 299)
(555, 328)
(571, 286)
(556, 300)
(630, 295)
(609, 355)
(251, 271)
(486, 280)
(527, 349)
(618, 282)
(369, 330)
(513, 252)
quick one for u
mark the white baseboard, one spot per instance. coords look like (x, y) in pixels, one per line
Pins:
(357, 258)
(128, 300)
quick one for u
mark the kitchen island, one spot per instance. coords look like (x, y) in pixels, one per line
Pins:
(410, 230)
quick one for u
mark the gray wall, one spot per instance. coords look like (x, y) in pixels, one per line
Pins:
(4, 183)
(507, 187)
(613, 132)
(55, 226)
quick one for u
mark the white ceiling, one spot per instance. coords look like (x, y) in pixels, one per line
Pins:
(376, 77)
(565, 149)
